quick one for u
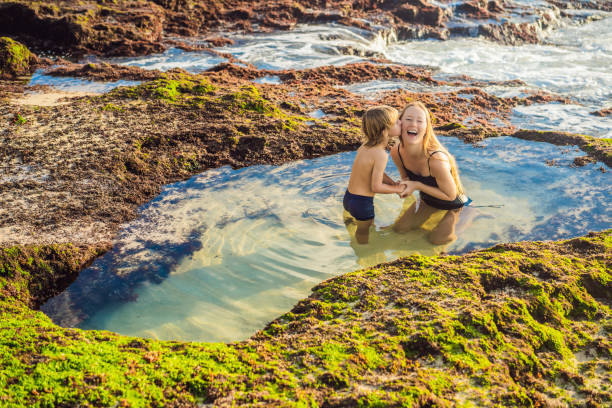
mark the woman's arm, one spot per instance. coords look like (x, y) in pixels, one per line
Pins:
(388, 180)
(440, 169)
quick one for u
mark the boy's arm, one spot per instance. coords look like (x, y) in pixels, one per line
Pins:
(378, 173)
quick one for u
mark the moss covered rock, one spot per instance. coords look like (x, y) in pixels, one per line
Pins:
(15, 58)
(525, 324)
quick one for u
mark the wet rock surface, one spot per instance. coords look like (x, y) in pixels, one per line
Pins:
(603, 112)
(113, 28)
(521, 324)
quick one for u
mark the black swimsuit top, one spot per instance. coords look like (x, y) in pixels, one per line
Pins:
(431, 181)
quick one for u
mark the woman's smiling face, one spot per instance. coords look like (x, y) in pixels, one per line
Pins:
(414, 125)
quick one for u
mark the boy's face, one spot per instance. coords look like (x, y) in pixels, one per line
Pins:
(396, 129)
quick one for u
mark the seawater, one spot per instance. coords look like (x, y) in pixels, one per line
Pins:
(574, 63)
(216, 257)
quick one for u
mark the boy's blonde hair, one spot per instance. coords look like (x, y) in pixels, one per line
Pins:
(376, 123)
(431, 143)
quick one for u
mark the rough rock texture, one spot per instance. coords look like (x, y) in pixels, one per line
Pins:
(78, 27)
(525, 324)
(518, 325)
(15, 59)
(121, 27)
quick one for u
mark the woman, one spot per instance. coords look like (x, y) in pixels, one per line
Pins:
(426, 164)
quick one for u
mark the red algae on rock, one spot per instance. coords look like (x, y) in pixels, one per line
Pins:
(603, 112)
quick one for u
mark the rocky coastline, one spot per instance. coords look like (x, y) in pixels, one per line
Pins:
(525, 324)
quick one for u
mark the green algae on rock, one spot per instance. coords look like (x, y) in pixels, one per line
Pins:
(115, 141)
(15, 59)
(31, 274)
(524, 324)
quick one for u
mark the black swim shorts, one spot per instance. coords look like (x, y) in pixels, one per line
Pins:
(360, 207)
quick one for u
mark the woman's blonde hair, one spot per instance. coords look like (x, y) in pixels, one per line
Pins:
(431, 143)
(376, 121)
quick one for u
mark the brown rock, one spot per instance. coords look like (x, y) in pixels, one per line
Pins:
(603, 112)
(494, 7)
(583, 161)
(420, 13)
(407, 13)
(475, 9)
(126, 28)
(241, 13)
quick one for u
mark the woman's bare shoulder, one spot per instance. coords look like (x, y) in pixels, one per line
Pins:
(437, 166)
(438, 156)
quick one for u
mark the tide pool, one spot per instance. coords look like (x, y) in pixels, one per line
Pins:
(214, 258)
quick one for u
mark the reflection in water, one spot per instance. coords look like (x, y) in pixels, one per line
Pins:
(385, 244)
(216, 257)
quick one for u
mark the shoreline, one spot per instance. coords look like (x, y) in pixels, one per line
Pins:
(122, 28)
(115, 157)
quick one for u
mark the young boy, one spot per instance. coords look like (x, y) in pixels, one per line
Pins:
(368, 173)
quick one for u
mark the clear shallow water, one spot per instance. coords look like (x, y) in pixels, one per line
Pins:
(568, 118)
(373, 89)
(216, 257)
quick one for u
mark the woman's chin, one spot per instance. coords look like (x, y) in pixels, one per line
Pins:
(411, 139)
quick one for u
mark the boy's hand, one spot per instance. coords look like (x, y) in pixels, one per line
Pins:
(402, 188)
(409, 187)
